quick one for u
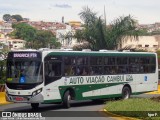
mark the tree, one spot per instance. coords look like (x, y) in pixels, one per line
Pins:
(2, 71)
(25, 32)
(35, 38)
(94, 27)
(54, 43)
(122, 28)
(100, 36)
(68, 37)
(144, 32)
(3, 56)
(79, 35)
(46, 39)
(7, 17)
(17, 17)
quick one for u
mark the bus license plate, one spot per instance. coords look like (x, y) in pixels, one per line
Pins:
(19, 99)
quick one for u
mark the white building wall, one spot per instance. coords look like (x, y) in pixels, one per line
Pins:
(6, 28)
(145, 42)
(60, 35)
(16, 44)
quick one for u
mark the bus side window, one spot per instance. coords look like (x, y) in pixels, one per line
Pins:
(106, 70)
(46, 69)
(78, 71)
(69, 70)
(51, 71)
(113, 70)
(85, 71)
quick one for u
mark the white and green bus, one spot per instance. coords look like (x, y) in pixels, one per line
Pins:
(57, 76)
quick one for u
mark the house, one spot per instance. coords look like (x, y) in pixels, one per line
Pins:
(2, 35)
(6, 27)
(65, 36)
(15, 44)
(75, 23)
(149, 43)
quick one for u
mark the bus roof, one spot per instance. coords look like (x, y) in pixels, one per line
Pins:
(87, 52)
(99, 53)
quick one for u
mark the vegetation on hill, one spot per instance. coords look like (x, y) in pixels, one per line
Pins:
(35, 38)
(8, 17)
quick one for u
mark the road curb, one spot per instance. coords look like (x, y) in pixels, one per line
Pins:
(155, 92)
(118, 117)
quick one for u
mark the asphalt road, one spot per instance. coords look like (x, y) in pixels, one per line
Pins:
(79, 110)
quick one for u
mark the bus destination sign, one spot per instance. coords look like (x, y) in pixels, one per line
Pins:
(24, 55)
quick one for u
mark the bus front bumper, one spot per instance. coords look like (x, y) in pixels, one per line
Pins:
(25, 98)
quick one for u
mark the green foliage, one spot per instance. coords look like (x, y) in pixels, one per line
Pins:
(81, 46)
(3, 54)
(23, 31)
(35, 38)
(158, 52)
(7, 17)
(157, 32)
(121, 28)
(140, 50)
(44, 38)
(134, 107)
(102, 37)
(79, 35)
(4, 51)
(88, 16)
(2, 71)
(17, 17)
(54, 43)
(143, 32)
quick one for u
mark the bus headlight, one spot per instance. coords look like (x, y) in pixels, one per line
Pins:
(37, 92)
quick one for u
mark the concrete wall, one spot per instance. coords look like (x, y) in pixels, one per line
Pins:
(150, 43)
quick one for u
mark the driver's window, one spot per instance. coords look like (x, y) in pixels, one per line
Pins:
(52, 71)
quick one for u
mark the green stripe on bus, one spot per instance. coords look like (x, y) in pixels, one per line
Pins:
(98, 54)
(79, 89)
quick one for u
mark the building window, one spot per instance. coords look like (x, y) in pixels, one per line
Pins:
(139, 45)
(155, 46)
(146, 45)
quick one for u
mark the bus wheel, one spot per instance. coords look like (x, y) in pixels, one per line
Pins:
(66, 99)
(35, 105)
(126, 92)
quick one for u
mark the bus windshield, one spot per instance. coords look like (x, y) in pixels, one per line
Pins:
(24, 71)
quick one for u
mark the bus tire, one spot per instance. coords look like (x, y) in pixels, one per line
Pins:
(126, 92)
(66, 99)
(34, 105)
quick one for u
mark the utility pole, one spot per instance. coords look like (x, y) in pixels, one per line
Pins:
(105, 16)
(62, 19)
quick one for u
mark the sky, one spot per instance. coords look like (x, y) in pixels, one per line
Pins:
(145, 11)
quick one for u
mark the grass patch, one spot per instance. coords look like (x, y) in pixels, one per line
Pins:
(136, 107)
